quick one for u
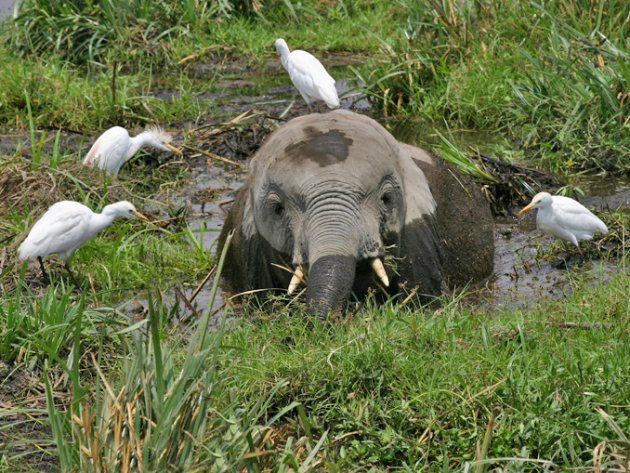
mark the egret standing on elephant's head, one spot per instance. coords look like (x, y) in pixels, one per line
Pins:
(308, 75)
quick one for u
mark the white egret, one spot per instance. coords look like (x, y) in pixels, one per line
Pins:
(66, 225)
(565, 218)
(115, 147)
(308, 75)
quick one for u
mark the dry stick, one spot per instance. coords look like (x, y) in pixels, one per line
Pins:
(30, 148)
(582, 325)
(91, 279)
(108, 387)
(288, 270)
(11, 236)
(185, 301)
(197, 54)
(54, 186)
(409, 297)
(223, 203)
(202, 284)
(213, 156)
(225, 126)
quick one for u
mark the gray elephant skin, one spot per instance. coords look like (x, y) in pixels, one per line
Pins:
(330, 193)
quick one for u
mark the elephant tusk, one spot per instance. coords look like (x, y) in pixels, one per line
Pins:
(295, 280)
(379, 269)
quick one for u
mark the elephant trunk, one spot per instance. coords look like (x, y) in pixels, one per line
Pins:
(329, 284)
(332, 240)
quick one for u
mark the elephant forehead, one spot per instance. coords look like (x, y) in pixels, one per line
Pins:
(312, 143)
(322, 147)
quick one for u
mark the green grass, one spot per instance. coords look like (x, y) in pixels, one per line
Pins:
(161, 404)
(389, 388)
(61, 96)
(414, 390)
(115, 65)
(553, 78)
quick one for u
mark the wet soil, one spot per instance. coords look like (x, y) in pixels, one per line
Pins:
(217, 150)
(216, 153)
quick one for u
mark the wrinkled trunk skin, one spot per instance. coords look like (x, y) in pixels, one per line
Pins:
(330, 281)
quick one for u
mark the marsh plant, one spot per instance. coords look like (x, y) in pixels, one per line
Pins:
(541, 385)
(506, 66)
(84, 32)
(166, 406)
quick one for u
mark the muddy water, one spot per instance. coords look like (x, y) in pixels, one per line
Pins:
(520, 278)
(606, 193)
(6, 9)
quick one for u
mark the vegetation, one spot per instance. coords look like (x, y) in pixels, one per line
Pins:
(551, 76)
(87, 383)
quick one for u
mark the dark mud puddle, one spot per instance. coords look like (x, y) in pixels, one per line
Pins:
(521, 276)
(526, 269)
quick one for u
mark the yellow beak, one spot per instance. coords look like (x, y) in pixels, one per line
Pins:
(527, 207)
(172, 148)
(140, 216)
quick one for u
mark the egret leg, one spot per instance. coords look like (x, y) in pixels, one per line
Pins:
(71, 275)
(44, 273)
(570, 250)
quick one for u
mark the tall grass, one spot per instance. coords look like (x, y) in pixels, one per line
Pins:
(168, 413)
(553, 76)
(53, 93)
(84, 32)
(40, 327)
(586, 122)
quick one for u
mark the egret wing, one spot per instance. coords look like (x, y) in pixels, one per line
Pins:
(109, 149)
(113, 156)
(311, 78)
(305, 64)
(579, 220)
(60, 229)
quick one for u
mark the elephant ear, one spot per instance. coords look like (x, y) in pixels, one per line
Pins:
(421, 265)
(462, 216)
(250, 260)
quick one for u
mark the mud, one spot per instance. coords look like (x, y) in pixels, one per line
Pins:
(527, 270)
(218, 147)
(216, 158)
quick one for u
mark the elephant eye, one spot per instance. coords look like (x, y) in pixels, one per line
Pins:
(387, 198)
(277, 208)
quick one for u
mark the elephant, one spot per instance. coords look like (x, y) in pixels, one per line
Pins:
(331, 195)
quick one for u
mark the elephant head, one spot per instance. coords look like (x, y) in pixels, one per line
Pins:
(332, 194)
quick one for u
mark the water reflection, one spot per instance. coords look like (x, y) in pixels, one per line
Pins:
(6, 8)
